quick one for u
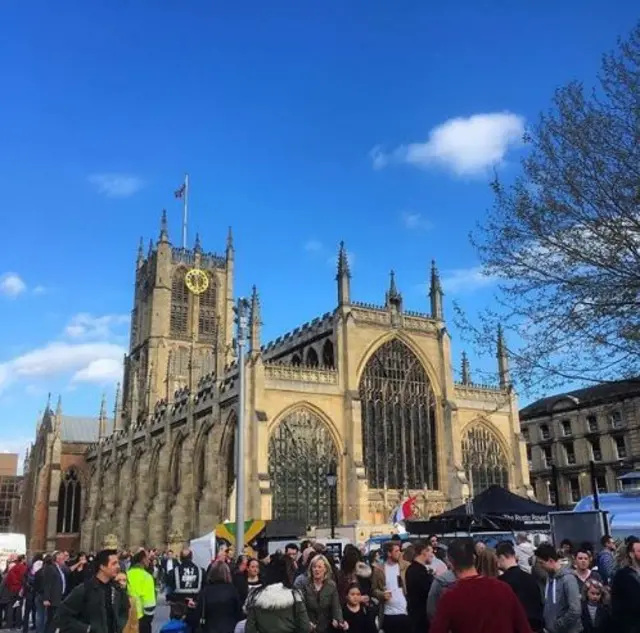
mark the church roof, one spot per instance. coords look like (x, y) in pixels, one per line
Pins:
(589, 396)
(81, 430)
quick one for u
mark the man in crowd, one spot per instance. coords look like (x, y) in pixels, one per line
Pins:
(97, 605)
(625, 592)
(185, 583)
(389, 590)
(562, 605)
(607, 558)
(13, 583)
(55, 583)
(142, 590)
(419, 578)
(476, 604)
(523, 584)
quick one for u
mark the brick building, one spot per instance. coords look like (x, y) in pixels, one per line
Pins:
(569, 430)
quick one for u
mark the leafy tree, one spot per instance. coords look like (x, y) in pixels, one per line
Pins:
(564, 238)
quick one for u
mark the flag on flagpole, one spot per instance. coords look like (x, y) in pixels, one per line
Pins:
(404, 511)
(179, 193)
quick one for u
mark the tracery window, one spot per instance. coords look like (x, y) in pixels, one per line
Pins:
(207, 319)
(312, 358)
(69, 499)
(179, 362)
(483, 460)
(179, 303)
(301, 451)
(398, 420)
(327, 354)
(176, 467)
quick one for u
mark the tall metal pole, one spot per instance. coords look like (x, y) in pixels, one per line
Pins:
(242, 318)
(594, 485)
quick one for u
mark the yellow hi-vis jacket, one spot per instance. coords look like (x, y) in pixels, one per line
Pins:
(142, 590)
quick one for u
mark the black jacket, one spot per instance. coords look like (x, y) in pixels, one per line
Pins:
(527, 590)
(625, 600)
(418, 580)
(53, 589)
(221, 607)
(86, 607)
(602, 622)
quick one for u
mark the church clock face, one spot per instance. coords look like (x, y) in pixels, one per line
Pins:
(197, 281)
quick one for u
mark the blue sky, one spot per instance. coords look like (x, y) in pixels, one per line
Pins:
(301, 124)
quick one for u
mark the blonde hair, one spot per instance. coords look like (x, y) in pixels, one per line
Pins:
(487, 563)
(327, 568)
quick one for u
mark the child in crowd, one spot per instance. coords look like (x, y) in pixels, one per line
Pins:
(177, 622)
(596, 617)
(356, 614)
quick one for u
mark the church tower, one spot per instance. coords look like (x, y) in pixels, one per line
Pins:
(181, 322)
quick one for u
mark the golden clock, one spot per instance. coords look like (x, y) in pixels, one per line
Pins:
(197, 281)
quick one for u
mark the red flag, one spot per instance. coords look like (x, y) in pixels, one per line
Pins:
(179, 193)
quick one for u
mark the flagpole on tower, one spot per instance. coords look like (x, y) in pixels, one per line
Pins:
(185, 209)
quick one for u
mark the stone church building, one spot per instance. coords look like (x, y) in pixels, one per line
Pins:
(367, 390)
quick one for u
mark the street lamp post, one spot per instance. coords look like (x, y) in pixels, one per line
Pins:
(242, 320)
(332, 480)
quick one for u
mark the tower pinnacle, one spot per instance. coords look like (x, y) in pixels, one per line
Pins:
(503, 359)
(436, 294)
(393, 297)
(164, 227)
(197, 247)
(343, 277)
(466, 370)
(254, 322)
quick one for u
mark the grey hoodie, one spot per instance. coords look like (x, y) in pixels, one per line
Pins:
(439, 585)
(562, 605)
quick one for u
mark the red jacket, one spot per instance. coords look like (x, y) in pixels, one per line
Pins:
(15, 577)
(479, 605)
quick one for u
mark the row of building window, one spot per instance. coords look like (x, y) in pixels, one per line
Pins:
(179, 319)
(615, 420)
(573, 489)
(569, 454)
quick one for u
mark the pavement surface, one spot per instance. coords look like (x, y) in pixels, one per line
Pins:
(162, 614)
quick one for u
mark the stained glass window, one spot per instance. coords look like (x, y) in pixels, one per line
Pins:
(483, 460)
(69, 499)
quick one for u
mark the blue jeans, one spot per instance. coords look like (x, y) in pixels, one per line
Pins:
(41, 615)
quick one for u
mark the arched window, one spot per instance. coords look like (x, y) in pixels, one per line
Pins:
(207, 319)
(301, 452)
(296, 360)
(179, 304)
(483, 460)
(69, 499)
(154, 473)
(327, 354)
(176, 467)
(398, 420)
(312, 358)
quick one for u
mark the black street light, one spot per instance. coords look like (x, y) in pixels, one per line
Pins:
(332, 480)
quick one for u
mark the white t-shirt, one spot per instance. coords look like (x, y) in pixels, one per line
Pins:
(397, 605)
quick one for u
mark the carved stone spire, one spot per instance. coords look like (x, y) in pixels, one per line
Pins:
(59, 407)
(140, 259)
(343, 277)
(255, 322)
(466, 370)
(164, 227)
(393, 297)
(503, 359)
(230, 249)
(197, 247)
(150, 251)
(102, 419)
(117, 410)
(436, 294)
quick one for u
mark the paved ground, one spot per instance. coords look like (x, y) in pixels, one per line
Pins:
(162, 614)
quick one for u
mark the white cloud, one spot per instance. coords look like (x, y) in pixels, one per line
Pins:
(466, 146)
(116, 185)
(100, 371)
(415, 221)
(87, 326)
(313, 246)
(12, 285)
(40, 290)
(462, 280)
(58, 359)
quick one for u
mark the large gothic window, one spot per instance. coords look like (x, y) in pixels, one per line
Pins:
(176, 466)
(69, 498)
(179, 304)
(207, 318)
(398, 420)
(301, 451)
(483, 460)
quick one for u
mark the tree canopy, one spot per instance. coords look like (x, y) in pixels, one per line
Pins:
(563, 238)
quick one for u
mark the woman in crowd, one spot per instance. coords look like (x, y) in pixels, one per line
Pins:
(354, 571)
(240, 578)
(132, 622)
(355, 612)
(487, 563)
(253, 576)
(276, 607)
(321, 598)
(219, 607)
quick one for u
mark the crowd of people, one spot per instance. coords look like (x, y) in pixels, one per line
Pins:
(423, 587)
